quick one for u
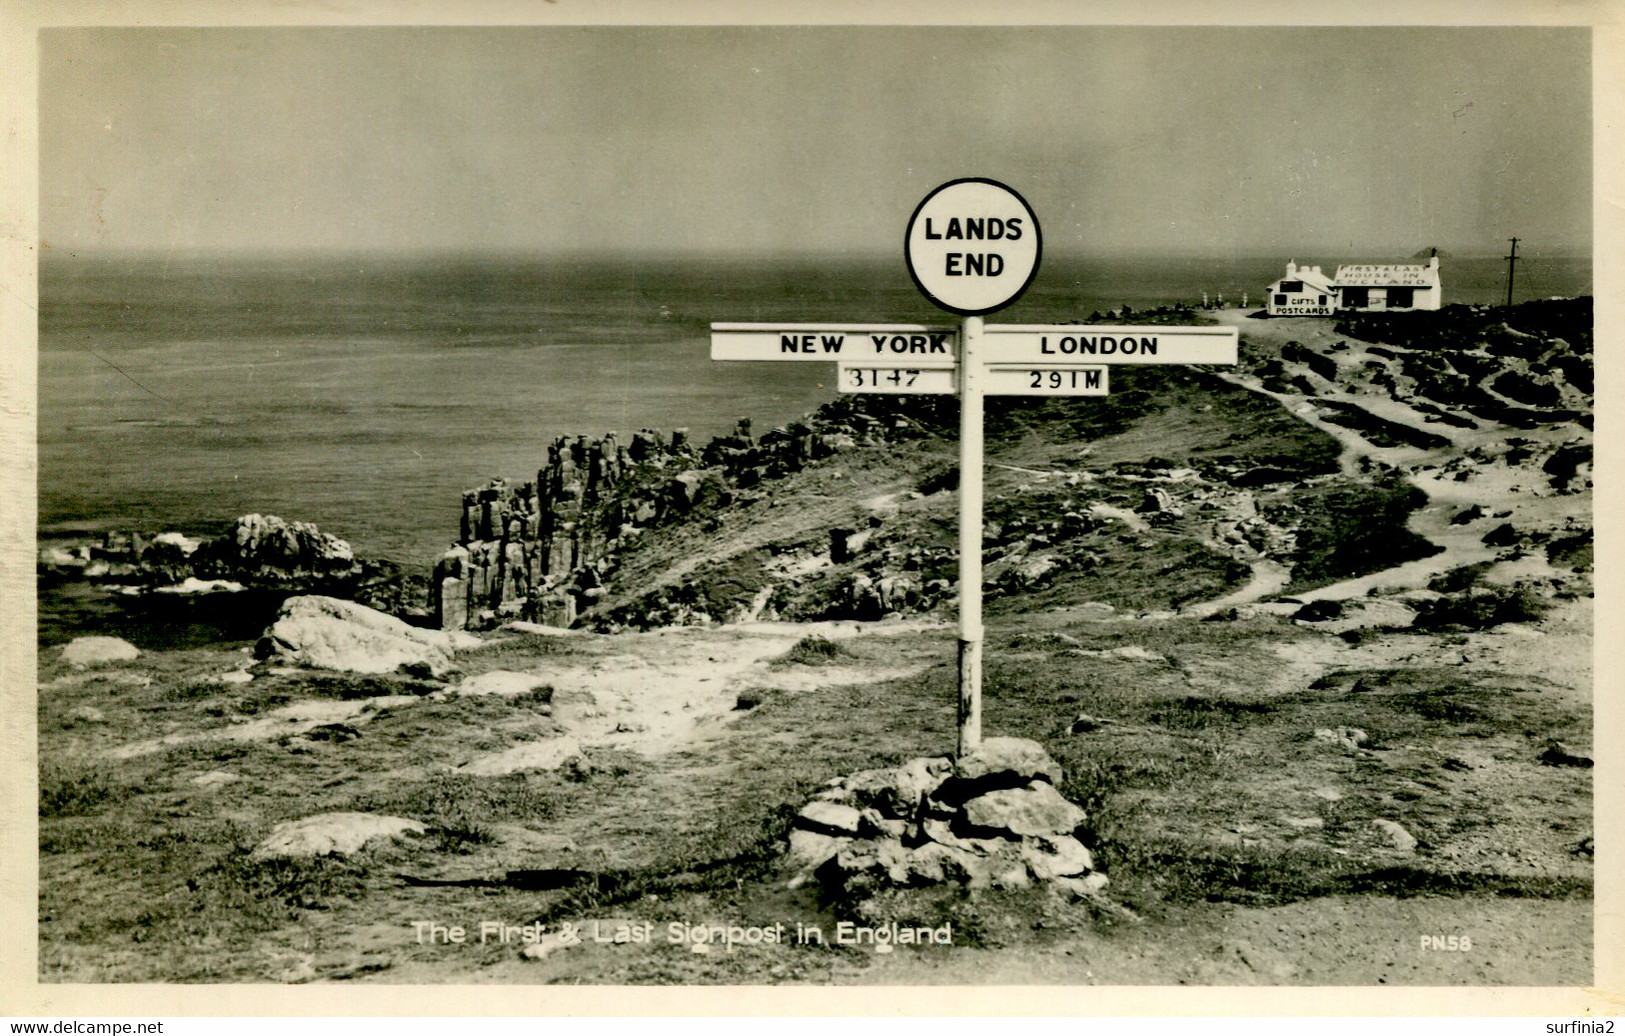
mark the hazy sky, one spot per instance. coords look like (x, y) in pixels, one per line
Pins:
(1212, 141)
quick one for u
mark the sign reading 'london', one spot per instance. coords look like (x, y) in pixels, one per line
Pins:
(1060, 343)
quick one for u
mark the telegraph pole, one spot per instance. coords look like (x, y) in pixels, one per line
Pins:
(1512, 262)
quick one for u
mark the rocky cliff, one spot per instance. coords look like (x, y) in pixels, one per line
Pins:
(850, 515)
(541, 550)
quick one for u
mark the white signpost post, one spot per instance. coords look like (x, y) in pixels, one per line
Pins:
(973, 247)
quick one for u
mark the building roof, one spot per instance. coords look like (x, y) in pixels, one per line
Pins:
(1382, 275)
(1310, 276)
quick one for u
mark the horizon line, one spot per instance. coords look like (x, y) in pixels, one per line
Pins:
(1396, 255)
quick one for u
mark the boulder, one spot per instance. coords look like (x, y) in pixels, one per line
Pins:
(98, 651)
(1037, 809)
(1557, 753)
(683, 490)
(895, 792)
(1000, 762)
(873, 824)
(1503, 535)
(875, 864)
(180, 542)
(865, 861)
(1319, 611)
(1370, 613)
(553, 754)
(934, 863)
(334, 634)
(1467, 516)
(912, 783)
(831, 818)
(266, 550)
(862, 599)
(1348, 737)
(897, 593)
(1084, 723)
(810, 848)
(331, 834)
(941, 831)
(1012, 874)
(1158, 501)
(1396, 835)
(61, 560)
(1419, 597)
(1056, 857)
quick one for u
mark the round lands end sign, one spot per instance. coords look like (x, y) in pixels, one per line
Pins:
(973, 246)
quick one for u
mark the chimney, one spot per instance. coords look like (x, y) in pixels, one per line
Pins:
(1291, 267)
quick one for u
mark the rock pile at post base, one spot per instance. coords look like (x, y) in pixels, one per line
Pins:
(992, 819)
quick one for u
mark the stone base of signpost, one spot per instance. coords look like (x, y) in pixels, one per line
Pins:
(993, 818)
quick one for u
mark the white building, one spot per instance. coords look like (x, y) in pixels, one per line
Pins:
(1389, 286)
(1368, 287)
(1303, 292)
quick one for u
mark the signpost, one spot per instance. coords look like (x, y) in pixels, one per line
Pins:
(973, 246)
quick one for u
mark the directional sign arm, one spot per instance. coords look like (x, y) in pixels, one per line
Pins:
(1111, 344)
(920, 345)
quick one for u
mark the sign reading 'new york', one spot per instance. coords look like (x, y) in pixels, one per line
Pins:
(919, 344)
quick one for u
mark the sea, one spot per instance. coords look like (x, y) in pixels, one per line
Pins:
(365, 393)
